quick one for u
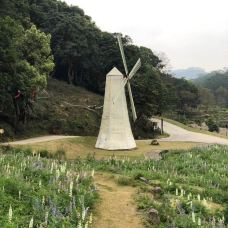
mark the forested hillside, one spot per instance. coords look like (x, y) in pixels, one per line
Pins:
(215, 88)
(49, 38)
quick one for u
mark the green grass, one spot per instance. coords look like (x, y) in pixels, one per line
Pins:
(191, 181)
(53, 116)
(36, 187)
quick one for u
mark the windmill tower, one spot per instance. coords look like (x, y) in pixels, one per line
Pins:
(115, 130)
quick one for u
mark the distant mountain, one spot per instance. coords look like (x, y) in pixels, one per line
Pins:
(189, 73)
(213, 80)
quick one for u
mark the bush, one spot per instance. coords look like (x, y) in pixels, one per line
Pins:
(212, 125)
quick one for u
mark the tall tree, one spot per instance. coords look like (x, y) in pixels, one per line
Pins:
(25, 61)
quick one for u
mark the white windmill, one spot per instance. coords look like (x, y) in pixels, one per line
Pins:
(115, 130)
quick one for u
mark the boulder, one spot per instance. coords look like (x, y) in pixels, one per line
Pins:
(157, 190)
(153, 216)
(154, 142)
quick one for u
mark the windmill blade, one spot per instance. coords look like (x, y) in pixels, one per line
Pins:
(132, 102)
(135, 69)
(122, 54)
(114, 99)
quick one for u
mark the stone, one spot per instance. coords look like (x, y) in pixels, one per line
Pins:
(157, 190)
(143, 179)
(153, 216)
(154, 142)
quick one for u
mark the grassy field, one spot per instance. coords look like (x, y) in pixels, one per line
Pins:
(84, 146)
(186, 188)
(40, 192)
(53, 115)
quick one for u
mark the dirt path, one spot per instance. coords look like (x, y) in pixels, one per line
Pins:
(38, 139)
(179, 134)
(117, 208)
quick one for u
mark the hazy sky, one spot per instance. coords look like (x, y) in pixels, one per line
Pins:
(189, 32)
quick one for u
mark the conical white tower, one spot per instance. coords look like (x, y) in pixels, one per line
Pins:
(115, 130)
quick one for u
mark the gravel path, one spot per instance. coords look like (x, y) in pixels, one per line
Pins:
(179, 134)
(38, 139)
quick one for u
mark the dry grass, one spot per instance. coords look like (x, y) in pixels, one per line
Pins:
(83, 146)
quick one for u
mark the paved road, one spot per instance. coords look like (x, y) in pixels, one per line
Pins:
(176, 134)
(39, 139)
(179, 134)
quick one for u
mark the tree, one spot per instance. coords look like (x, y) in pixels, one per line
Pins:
(221, 94)
(207, 98)
(26, 63)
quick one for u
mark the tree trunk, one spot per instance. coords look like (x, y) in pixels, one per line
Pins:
(70, 75)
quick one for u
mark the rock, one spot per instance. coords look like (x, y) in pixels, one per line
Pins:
(157, 190)
(163, 153)
(143, 179)
(154, 142)
(153, 216)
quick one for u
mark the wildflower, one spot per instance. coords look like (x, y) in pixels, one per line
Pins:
(46, 218)
(92, 174)
(193, 217)
(176, 191)
(79, 224)
(71, 188)
(199, 222)
(10, 215)
(86, 225)
(91, 218)
(43, 200)
(57, 174)
(31, 223)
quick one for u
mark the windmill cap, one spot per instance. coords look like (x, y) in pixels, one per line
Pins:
(114, 72)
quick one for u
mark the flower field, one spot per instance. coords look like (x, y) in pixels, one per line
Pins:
(187, 188)
(41, 192)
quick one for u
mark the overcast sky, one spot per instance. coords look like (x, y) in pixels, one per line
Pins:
(192, 33)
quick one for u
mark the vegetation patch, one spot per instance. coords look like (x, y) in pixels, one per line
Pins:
(40, 192)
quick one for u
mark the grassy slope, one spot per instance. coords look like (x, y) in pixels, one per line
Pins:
(53, 116)
(84, 146)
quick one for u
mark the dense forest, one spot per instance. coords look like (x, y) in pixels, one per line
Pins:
(48, 38)
(214, 88)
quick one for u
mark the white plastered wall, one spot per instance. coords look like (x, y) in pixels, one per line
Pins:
(115, 130)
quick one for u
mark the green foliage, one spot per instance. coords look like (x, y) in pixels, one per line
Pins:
(83, 54)
(217, 83)
(190, 181)
(212, 126)
(39, 188)
(26, 63)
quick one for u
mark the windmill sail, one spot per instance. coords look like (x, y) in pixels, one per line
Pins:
(115, 130)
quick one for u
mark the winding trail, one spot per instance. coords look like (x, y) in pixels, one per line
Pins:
(117, 208)
(182, 135)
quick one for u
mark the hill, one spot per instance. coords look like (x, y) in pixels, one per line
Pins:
(213, 80)
(189, 73)
(215, 86)
(74, 50)
(53, 115)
